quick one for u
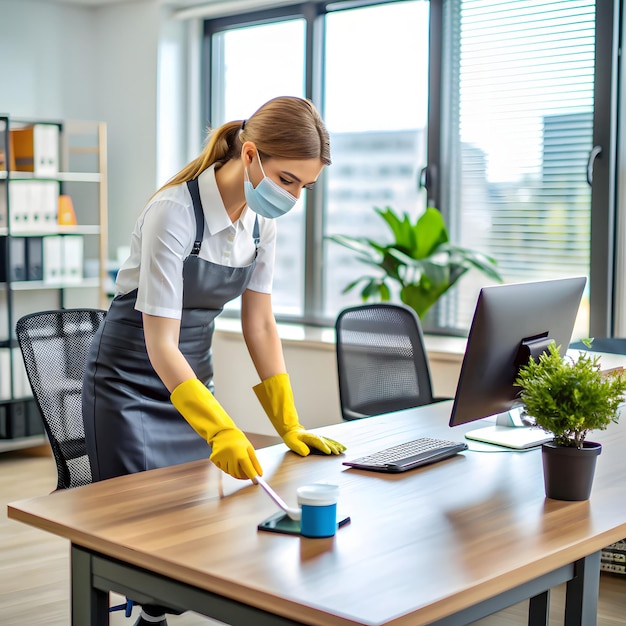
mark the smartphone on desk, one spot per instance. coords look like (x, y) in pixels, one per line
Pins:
(281, 523)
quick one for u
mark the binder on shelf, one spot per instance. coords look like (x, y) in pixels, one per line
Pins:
(3, 205)
(17, 420)
(45, 207)
(21, 386)
(3, 154)
(34, 258)
(35, 148)
(5, 374)
(52, 259)
(66, 213)
(72, 269)
(16, 270)
(4, 422)
(19, 203)
(34, 421)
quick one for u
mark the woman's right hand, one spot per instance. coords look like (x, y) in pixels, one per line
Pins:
(231, 450)
(233, 453)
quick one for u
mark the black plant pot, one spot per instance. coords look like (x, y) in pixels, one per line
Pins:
(568, 472)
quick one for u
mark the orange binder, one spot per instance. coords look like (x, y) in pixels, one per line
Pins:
(35, 148)
(66, 213)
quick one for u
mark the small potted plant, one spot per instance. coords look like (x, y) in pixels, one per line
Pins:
(569, 398)
(419, 260)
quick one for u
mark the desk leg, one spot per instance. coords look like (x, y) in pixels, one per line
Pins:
(581, 597)
(90, 606)
(539, 609)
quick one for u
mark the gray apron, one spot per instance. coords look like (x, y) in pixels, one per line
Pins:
(130, 423)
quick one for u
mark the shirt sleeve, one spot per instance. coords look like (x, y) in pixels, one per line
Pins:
(165, 243)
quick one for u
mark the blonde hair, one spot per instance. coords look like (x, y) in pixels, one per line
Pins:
(285, 127)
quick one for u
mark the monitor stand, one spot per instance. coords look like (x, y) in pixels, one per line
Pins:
(510, 432)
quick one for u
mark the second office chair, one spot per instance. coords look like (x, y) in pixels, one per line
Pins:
(54, 345)
(382, 364)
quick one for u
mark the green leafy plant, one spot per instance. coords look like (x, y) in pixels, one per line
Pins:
(421, 261)
(570, 397)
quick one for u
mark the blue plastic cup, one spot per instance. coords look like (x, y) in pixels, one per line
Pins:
(318, 503)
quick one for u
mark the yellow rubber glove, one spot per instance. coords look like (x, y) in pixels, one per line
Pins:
(276, 398)
(230, 449)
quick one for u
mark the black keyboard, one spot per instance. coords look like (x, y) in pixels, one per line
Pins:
(408, 455)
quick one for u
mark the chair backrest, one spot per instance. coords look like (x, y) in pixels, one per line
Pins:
(382, 364)
(610, 345)
(55, 345)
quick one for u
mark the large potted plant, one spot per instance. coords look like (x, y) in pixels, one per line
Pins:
(420, 260)
(569, 398)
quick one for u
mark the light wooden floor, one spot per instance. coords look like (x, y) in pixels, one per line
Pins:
(34, 565)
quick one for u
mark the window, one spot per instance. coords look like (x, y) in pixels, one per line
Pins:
(519, 120)
(250, 67)
(376, 109)
(503, 100)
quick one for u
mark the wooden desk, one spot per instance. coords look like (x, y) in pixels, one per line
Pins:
(444, 544)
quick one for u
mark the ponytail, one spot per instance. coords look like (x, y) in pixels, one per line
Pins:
(222, 145)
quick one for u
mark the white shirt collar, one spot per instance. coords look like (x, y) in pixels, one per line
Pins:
(215, 213)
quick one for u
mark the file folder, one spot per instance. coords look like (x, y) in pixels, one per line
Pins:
(21, 386)
(3, 205)
(34, 258)
(15, 269)
(4, 421)
(34, 421)
(3, 155)
(72, 270)
(17, 421)
(19, 203)
(52, 259)
(5, 374)
(66, 213)
(35, 148)
(44, 209)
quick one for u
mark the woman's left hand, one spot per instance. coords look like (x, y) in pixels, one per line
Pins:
(276, 398)
(301, 441)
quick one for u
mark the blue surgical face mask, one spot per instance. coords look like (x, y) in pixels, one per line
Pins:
(268, 198)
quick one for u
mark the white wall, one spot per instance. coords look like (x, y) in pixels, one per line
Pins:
(48, 60)
(68, 62)
(126, 84)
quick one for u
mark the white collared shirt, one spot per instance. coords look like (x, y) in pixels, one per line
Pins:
(163, 238)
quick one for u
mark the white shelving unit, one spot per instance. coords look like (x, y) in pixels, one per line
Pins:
(45, 265)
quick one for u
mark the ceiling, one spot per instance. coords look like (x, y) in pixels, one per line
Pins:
(185, 8)
(101, 3)
(92, 3)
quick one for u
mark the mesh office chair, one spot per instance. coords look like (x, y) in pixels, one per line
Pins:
(55, 345)
(382, 364)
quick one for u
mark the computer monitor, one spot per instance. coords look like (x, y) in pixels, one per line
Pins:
(511, 323)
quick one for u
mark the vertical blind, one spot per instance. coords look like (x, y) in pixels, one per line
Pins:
(518, 128)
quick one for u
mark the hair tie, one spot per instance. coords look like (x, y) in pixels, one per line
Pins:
(243, 124)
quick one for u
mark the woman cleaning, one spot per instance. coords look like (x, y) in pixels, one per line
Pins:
(206, 237)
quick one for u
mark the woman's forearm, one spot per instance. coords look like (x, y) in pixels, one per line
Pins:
(261, 335)
(161, 335)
